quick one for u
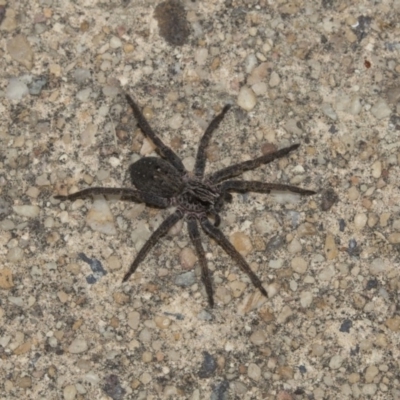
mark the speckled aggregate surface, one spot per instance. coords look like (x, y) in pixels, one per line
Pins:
(324, 74)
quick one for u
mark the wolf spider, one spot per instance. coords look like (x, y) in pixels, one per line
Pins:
(164, 182)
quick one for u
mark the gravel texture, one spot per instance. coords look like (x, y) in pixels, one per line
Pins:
(324, 74)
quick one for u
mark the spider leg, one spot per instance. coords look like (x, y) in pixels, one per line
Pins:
(163, 149)
(220, 238)
(205, 140)
(125, 193)
(205, 273)
(167, 224)
(237, 169)
(260, 187)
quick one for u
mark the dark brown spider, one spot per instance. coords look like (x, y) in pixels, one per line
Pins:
(164, 182)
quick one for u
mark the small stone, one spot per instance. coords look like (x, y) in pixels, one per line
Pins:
(376, 169)
(145, 378)
(335, 362)
(162, 322)
(285, 313)
(186, 279)
(331, 251)
(20, 50)
(294, 246)
(6, 279)
(353, 193)
(394, 238)
(15, 254)
(369, 389)
(328, 199)
(327, 273)
(393, 323)
(329, 111)
(317, 350)
(187, 258)
(24, 382)
(299, 265)
(242, 243)
(258, 337)
(16, 89)
(133, 319)
(237, 288)
(274, 79)
(377, 266)
(99, 217)
(175, 122)
(201, 56)
(381, 109)
(306, 229)
(84, 95)
(254, 372)
(27, 211)
(360, 220)
(78, 345)
(115, 42)
(246, 99)
(306, 299)
(69, 392)
(370, 374)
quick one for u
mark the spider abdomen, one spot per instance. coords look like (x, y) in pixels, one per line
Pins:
(156, 176)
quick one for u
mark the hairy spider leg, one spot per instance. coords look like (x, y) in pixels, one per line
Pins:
(161, 231)
(237, 169)
(220, 238)
(162, 148)
(125, 193)
(194, 234)
(261, 187)
(201, 158)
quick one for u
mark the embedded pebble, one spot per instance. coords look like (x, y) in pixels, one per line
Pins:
(7, 225)
(186, 279)
(380, 109)
(16, 89)
(294, 246)
(327, 273)
(175, 122)
(394, 238)
(246, 98)
(274, 79)
(237, 288)
(254, 372)
(133, 319)
(162, 322)
(376, 169)
(331, 250)
(306, 229)
(328, 199)
(99, 217)
(283, 316)
(6, 279)
(370, 374)
(187, 258)
(20, 50)
(335, 362)
(360, 220)
(258, 337)
(78, 345)
(69, 392)
(241, 242)
(201, 56)
(84, 94)
(377, 266)
(115, 42)
(15, 254)
(306, 299)
(27, 211)
(369, 389)
(329, 111)
(299, 265)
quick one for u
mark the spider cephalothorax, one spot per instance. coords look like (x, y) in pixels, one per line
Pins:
(164, 182)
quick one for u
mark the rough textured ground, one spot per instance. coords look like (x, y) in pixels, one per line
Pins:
(324, 74)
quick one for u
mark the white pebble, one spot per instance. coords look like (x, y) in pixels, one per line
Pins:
(299, 265)
(246, 99)
(254, 372)
(15, 254)
(16, 89)
(380, 109)
(27, 211)
(69, 392)
(78, 345)
(115, 42)
(294, 246)
(376, 169)
(329, 111)
(335, 362)
(99, 217)
(274, 79)
(306, 299)
(360, 220)
(175, 122)
(201, 56)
